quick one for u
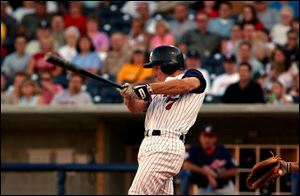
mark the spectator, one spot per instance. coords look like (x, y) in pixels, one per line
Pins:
(294, 92)
(143, 10)
(74, 95)
(278, 5)
(100, 39)
(162, 35)
(117, 56)
(38, 64)
(282, 68)
(264, 40)
(245, 55)
(43, 31)
(132, 8)
(180, 24)
(69, 51)
(292, 45)
(13, 90)
(138, 38)
(57, 30)
(11, 25)
(279, 30)
(245, 90)
(16, 61)
(75, 17)
(209, 8)
(200, 39)
(86, 56)
(269, 17)
(48, 88)
(5, 99)
(134, 72)
(27, 8)
(295, 25)
(230, 76)
(222, 24)
(193, 61)
(278, 95)
(29, 94)
(211, 165)
(249, 16)
(32, 21)
(230, 47)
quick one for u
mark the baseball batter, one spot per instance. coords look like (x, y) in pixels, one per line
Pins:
(171, 106)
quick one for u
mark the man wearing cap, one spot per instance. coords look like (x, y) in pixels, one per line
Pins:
(211, 165)
(193, 61)
(221, 82)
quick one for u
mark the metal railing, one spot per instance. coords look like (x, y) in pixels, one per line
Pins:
(61, 169)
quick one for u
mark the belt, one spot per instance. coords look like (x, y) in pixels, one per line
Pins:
(156, 132)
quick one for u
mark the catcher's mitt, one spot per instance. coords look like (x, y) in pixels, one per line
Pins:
(265, 172)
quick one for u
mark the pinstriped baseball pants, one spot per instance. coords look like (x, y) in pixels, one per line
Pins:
(159, 158)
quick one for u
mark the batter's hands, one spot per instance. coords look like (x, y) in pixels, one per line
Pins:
(143, 91)
(127, 91)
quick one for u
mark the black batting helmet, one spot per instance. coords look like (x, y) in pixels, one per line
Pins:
(169, 58)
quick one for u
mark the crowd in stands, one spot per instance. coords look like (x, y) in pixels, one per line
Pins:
(248, 51)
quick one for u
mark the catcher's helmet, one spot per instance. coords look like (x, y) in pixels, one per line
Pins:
(169, 58)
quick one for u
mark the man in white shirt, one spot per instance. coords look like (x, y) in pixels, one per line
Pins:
(230, 76)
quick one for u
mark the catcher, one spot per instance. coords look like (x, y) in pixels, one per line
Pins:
(267, 171)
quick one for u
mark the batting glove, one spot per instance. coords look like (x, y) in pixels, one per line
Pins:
(127, 91)
(285, 167)
(143, 91)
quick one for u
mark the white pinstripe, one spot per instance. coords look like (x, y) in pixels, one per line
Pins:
(161, 157)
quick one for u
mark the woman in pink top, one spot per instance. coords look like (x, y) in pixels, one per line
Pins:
(162, 35)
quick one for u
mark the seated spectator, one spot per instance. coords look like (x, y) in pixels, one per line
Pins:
(249, 16)
(26, 8)
(295, 25)
(294, 92)
(180, 24)
(86, 56)
(5, 99)
(57, 30)
(279, 30)
(193, 61)
(209, 8)
(251, 35)
(134, 72)
(75, 17)
(48, 88)
(222, 24)
(162, 35)
(221, 82)
(264, 40)
(100, 39)
(32, 21)
(278, 95)
(16, 61)
(200, 39)
(13, 90)
(43, 31)
(38, 63)
(278, 5)
(74, 95)
(245, 55)
(29, 94)
(211, 165)
(117, 56)
(245, 90)
(269, 17)
(230, 47)
(10, 24)
(137, 37)
(285, 71)
(292, 45)
(69, 50)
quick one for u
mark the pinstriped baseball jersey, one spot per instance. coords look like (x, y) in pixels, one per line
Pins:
(161, 157)
(173, 113)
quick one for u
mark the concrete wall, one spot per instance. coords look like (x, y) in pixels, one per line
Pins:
(74, 129)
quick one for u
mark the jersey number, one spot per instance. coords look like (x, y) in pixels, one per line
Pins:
(171, 100)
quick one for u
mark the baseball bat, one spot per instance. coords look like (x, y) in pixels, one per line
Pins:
(75, 68)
